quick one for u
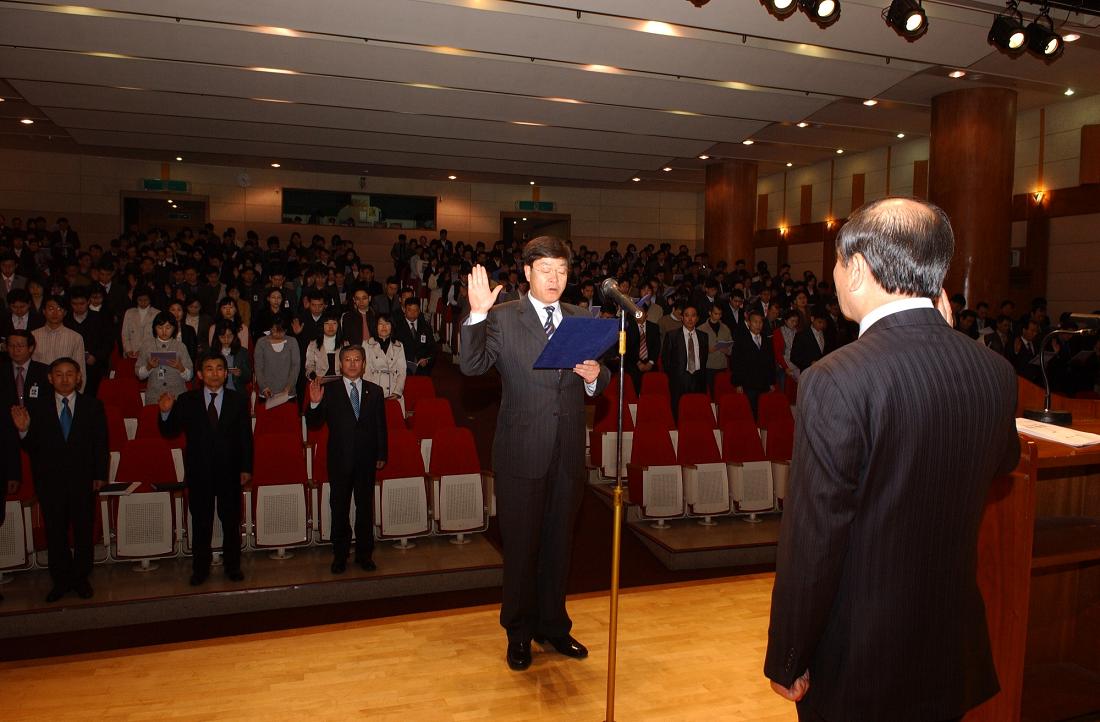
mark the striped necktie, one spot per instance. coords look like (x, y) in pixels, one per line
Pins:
(549, 327)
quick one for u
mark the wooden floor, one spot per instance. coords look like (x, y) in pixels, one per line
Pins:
(691, 651)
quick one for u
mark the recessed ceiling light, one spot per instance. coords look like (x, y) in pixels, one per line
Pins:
(452, 177)
(276, 165)
(666, 169)
(790, 165)
(1069, 91)
(1071, 37)
(901, 135)
(27, 121)
(870, 102)
(1, 100)
(277, 71)
(171, 201)
(635, 179)
(566, 100)
(956, 74)
(704, 157)
(803, 124)
(179, 157)
(532, 182)
(524, 219)
(658, 28)
(747, 141)
(597, 68)
(527, 122)
(840, 151)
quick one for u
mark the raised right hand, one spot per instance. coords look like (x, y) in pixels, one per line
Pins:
(21, 418)
(165, 403)
(153, 362)
(316, 391)
(480, 296)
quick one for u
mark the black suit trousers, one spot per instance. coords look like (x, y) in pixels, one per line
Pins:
(62, 509)
(200, 500)
(360, 485)
(536, 517)
(808, 714)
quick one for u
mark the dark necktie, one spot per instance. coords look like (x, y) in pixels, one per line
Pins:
(212, 411)
(66, 418)
(691, 367)
(549, 327)
(355, 400)
(643, 347)
(19, 381)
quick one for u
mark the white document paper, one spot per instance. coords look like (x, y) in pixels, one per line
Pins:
(1057, 434)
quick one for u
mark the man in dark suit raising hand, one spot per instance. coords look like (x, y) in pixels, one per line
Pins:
(876, 611)
(538, 451)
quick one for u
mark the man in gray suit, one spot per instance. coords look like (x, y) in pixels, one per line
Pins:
(538, 451)
(876, 611)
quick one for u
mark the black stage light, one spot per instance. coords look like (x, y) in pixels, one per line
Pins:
(907, 18)
(1042, 40)
(1008, 33)
(780, 8)
(822, 12)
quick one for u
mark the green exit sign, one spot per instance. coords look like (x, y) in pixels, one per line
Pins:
(541, 206)
(157, 184)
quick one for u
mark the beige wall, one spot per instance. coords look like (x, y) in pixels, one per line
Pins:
(1073, 274)
(87, 190)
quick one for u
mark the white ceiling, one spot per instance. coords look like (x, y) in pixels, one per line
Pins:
(493, 90)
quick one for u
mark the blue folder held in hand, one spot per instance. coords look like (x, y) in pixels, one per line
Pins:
(576, 340)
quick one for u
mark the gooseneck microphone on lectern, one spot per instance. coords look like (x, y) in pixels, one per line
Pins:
(609, 290)
(1046, 414)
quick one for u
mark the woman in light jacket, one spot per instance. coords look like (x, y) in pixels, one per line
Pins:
(163, 360)
(323, 354)
(386, 359)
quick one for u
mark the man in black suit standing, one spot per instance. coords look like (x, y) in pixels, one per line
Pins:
(417, 338)
(753, 361)
(65, 435)
(812, 343)
(684, 359)
(538, 450)
(357, 324)
(875, 616)
(97, 335)
(217, 461)
(354, 411)
(21, 379)
(643, 348)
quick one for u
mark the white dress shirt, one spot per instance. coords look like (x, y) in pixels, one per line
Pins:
(888, 309)
(691, 334)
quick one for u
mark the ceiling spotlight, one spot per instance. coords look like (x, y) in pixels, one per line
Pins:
(1008, 33)
(452, 177)
(531, 182)
(956, 74)
(1070, 38)
(27, 121)
(1069, 91)
(907, 18)
(179, 157)
(704, 157)
(901, 135)
(635, 179)
(666, 169)
(803, 124)
(780, 8)
(1041, 38)
(747, 141)
(870, 102)
(840, 151)
(790, 165)
(276, 165)
(822, 12)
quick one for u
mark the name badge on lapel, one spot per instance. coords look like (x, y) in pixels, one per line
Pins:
(423, 338)
(33, 392)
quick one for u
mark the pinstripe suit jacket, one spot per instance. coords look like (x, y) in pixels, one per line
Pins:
(541, 410)
(899, 435)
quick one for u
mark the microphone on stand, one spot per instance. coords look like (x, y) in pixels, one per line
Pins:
(1046, 414)
(609, 290)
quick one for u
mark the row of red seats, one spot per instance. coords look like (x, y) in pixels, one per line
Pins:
(655, 383)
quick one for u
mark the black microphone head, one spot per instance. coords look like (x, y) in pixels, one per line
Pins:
(609, 284)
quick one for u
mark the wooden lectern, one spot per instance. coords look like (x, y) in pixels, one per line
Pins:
(1039, 572)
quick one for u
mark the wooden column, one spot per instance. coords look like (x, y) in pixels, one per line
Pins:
(970, 173)
(731, 206)
(1090, 154)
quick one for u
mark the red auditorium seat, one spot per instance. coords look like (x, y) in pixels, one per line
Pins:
(655, 410)
(706, 486)
(417, 388)
(655, 382)
(607, 422)
(149, 428)
(123, 392)
(144, 522)
(432, 414)
(773, 407)
(402, 491)
(283, 419)
(463, 492)
(780, 447)
(395, 417)
(695, 409)
(279, 503)
(723, 385)
(116, 427)
(734, 408)
(14, 550)
(748, 468)
(658, 492)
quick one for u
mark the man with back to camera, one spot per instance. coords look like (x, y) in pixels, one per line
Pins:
(538, 450)
(874, 616)
(217, 461)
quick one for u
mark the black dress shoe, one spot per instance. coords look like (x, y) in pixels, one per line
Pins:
(339, 566)
(83, 589)
(519, 655)
(565, 645)
(55, 594)
(235, 576)
(366, 565)
(198, 578)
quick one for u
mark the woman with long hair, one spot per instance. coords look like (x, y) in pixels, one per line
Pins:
(386, 359)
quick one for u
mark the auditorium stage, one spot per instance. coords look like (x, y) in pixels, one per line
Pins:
(689, 651)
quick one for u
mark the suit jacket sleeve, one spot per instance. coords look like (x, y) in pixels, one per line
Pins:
(378, 418)
(245, 440)
(830, 446)
(481, 344)
(315, 417)
(100, 454)
(799, 350)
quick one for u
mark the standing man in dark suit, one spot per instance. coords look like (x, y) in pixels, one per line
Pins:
(538, 450)
(684, 359)
(354, 411)
(97, 335)
(417, 338)
(643, 348)
(874, 616)
(753, 361)
(65, 435)
(356, 324)
(217, 461)
(812, 343)
(22, 380)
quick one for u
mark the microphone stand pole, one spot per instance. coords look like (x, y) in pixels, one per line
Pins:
(1046, 414)
(616, 533)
